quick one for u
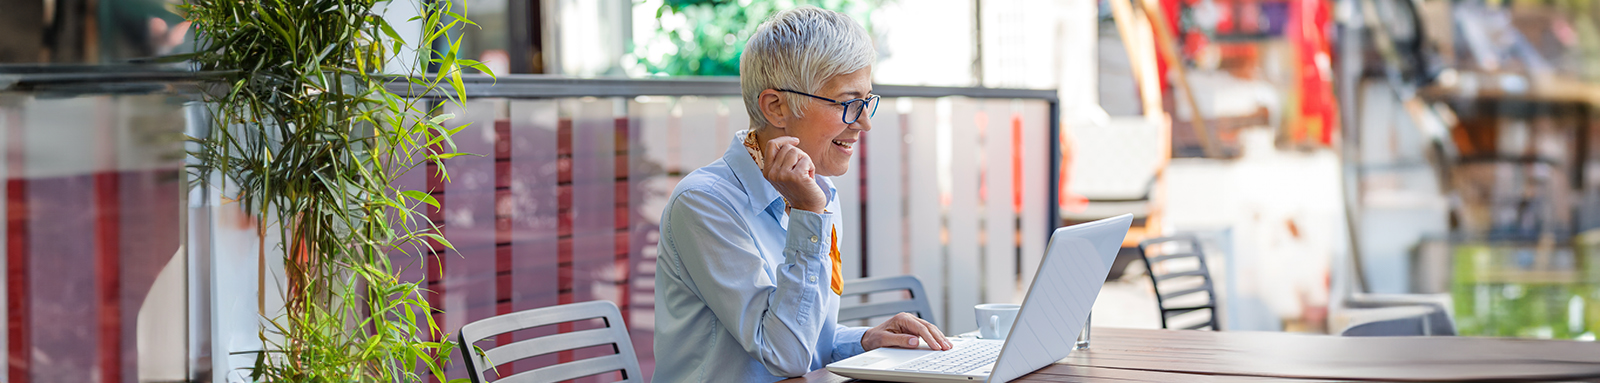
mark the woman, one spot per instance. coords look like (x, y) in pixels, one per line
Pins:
(747, 280)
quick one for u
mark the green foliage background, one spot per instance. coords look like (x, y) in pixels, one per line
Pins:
(710, 42)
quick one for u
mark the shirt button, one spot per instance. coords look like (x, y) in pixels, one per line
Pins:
(813, 239)
(813, 278)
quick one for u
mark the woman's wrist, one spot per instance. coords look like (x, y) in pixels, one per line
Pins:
(818, 210)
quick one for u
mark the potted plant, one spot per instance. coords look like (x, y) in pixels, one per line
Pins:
(306, 136)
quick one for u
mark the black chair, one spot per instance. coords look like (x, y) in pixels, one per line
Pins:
(917, 305)
(1179, 281)
(615, 334)
(1433, 322)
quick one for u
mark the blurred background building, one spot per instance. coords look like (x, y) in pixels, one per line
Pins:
(1342, 161)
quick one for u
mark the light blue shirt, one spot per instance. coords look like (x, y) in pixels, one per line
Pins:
(742, 288)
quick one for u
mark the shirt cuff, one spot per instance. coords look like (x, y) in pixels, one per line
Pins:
(808, 231)
(847, 342)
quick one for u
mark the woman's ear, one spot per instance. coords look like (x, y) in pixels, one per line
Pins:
(773, 108)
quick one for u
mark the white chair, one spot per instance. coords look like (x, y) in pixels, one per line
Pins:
(615, 334)
(917, 305)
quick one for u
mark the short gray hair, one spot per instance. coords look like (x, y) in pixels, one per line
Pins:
(800, 49)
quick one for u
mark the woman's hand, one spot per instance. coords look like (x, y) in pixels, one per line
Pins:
(790, 170)
(902, 331)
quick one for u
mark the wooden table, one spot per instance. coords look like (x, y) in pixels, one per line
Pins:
(1124, 355)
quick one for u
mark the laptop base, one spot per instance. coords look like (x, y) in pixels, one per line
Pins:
(879, 365)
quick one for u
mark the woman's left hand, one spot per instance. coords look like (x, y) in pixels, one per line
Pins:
(903, 331)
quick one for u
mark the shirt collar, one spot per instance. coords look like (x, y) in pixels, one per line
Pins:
(762, 194)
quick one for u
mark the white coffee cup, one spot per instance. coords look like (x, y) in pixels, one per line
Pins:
(995, 319)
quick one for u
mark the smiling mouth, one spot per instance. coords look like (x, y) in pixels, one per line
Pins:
(845, 145)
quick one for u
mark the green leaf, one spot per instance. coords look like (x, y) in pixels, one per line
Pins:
(420, 196)
(455, 78)
(463, 19)
(389, 30)
(474, 64)
(440, 119)
(440, 239)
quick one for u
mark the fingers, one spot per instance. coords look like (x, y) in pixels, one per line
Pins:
(938, 334)
(909, 341)
(773, 145)
(802, 164)
(781, 161)
(923, 329)
(784, 155)
(905, 330)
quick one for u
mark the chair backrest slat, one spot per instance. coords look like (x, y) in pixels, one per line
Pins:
(1181, 274)
(549, 344)
(615, 333)
(1176, 311)
(572, 370)
(1170, 257)
(918, 304)
(501, 324)
(879, 309)
(1203, 288)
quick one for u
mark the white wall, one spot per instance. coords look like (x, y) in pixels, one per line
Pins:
(1273, 273)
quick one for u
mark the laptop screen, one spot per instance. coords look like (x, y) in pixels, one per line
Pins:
(1063, 291)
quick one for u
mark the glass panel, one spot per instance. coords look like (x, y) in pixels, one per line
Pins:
(1034, 148)
(883, 169)
(153, 272)
(964, 278)
(95, 274)
(997, 123)
(923, 209)
(648, 188)
(700, 132)
(850, 230)
(734, 116)
(596, 239)
(62, 312)
(467, 287)
(530, 205)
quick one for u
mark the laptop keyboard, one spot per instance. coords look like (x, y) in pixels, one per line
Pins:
(959, 360)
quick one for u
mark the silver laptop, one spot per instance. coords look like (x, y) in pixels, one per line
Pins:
(1074, 267)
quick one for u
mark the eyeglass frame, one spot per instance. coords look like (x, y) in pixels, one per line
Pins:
(844, 116)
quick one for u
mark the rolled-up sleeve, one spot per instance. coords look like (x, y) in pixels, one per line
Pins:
(776, 317)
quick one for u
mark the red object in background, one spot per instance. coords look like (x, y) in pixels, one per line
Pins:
(1306, 33)
(1318, 113)
(1169, 8)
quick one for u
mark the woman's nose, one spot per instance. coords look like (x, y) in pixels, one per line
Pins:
(863, 124)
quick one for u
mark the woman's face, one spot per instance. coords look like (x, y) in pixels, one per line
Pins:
(823, 134)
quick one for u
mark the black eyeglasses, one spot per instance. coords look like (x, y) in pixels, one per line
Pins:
(852, 108)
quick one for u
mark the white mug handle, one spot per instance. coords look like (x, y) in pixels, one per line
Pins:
(994, 325)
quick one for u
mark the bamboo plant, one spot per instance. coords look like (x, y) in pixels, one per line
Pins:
(307, 137)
